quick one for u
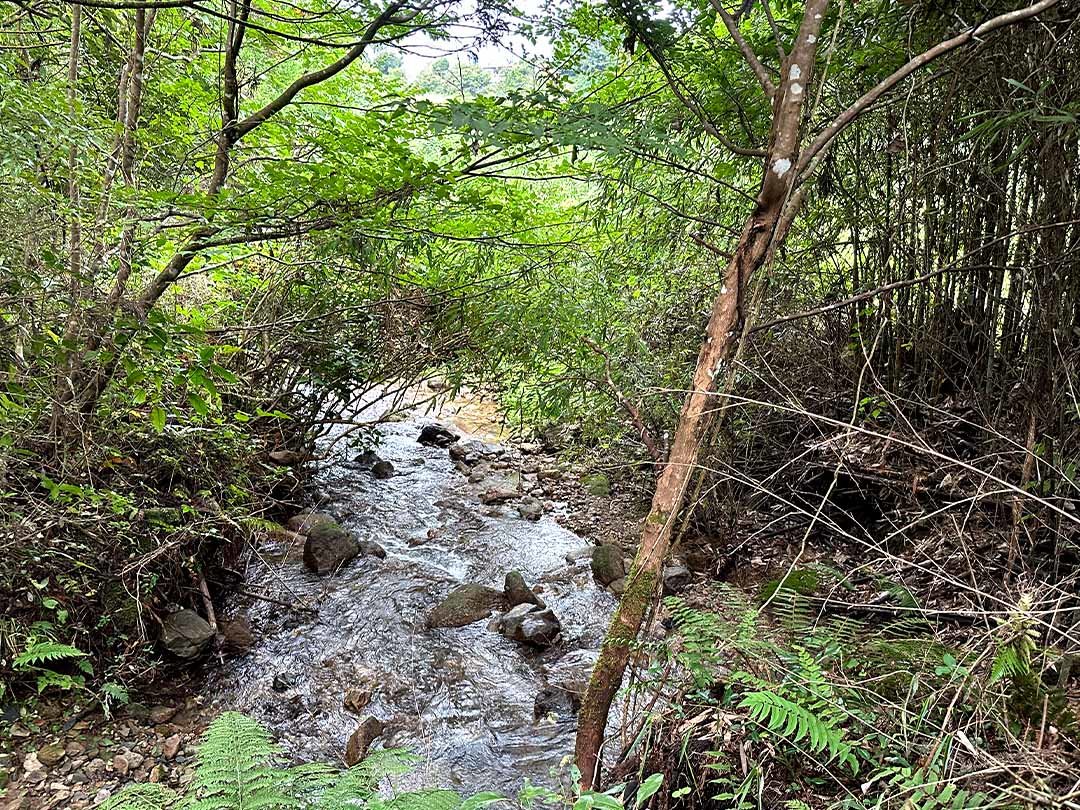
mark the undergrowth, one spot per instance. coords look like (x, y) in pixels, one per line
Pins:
(238, 767)
(789, 706)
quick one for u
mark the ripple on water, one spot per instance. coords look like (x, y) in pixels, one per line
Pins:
(462, 698)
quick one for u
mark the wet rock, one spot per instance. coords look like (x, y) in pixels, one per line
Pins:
(369, 548)
(607, 564)
(618, 587)
(367, 459)
(288, 458)
(50, 755)
(382, 470)
(356, 749)
(283, 682)
(517, 591)
(676, 578)
(356, 700)
(464, 605)
(530, 508)
(236, 635)
(186, 634)
(530, 624)
(437, 436)
(497, 495)
(301, 522)
(553, 701)
(328, 547)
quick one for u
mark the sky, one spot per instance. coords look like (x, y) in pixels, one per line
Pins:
(419, 52)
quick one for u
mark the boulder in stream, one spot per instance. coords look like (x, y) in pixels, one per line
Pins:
(517, 591)
(607, 564)
(382, 470)
(328, 547)
(367, 732)
(464, 605)
(236, 635)
(530, 508)
(186, 634)
(302, 521)
(437, 436)
(369, 548)
(530, 624)
(367, 459)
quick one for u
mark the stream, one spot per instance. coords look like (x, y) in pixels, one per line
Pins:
(461, 698)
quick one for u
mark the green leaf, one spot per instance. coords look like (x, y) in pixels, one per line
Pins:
(157, 418)
(648, 788)
(198, 404)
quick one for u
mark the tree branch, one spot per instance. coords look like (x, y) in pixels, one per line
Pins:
(744, 47)
(868, 99)
(632, 411)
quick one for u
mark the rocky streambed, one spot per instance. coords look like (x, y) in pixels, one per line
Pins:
(430, 599)
(431, 602)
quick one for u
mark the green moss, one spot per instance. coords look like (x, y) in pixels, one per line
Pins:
(597, 484)
(803, 581)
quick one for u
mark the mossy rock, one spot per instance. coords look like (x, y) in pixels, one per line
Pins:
(597, 485)
(803, 581)
(464, 605)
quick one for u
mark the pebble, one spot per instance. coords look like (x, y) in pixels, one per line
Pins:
(120, 765)
(171, 746)
(50, 755)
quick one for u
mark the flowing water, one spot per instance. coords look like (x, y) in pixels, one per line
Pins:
(461, 698)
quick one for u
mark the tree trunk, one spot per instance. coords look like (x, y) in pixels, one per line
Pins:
(767, 223)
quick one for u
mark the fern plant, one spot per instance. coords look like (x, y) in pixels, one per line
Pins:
(238, 767)
(836, 698)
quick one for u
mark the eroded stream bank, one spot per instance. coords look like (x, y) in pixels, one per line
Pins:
(483, 711)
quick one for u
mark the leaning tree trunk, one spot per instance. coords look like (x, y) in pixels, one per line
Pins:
(756, 243)
(785, 171)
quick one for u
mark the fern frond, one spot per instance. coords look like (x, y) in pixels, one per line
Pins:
(361, 782)
(434, 799)
(236, 768)
(799, 725)
(44, 652)
(144, 796)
